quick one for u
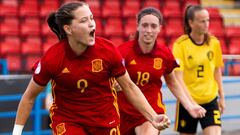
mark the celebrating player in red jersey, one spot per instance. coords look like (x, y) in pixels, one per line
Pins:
(147, 61)
(82, 68)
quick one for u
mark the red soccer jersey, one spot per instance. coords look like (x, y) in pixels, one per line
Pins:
(82, 84)
(146, 71)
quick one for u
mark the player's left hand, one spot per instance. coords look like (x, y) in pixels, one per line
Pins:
(161, 122)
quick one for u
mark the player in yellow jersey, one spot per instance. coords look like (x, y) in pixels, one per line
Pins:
(200, 58)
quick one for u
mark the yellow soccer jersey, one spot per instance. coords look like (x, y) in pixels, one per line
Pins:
(198, 63)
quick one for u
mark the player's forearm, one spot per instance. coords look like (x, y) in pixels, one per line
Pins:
(135, 96)
(218, 78)
(23, 112)
(178, 91)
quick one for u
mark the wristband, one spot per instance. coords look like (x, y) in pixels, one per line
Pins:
(17, 130)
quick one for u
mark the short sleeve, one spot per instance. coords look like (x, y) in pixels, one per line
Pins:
(177, 52)
(219, 59)
(117, 63)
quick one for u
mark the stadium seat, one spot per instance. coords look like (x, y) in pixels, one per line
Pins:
(111, 9)
(14, 63)
(117, 40)
(232, 32)
(217, 28)
(30, 60)
(48, 42)
(223, 45)
(32, 45)
(9, 26)
(47, 7)
(9, 8)
(45, 30)
(30, 26)
(10, 45)
(234, 48)
(130, 27)
(214, 13)
(172, 12)
(95, 6)
(113, 27)
(99, 26)
(173, 29)
(29, 8)
(172, 3)
(128, 10)
(152, 3)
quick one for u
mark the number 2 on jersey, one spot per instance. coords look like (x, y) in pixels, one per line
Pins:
(200, 71)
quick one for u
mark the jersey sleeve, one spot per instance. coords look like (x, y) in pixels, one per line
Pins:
(117, 69)
(178, 56)
(219, 59)
(41, 73)
(171, 62)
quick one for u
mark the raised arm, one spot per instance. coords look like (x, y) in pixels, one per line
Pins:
(135, 97)
(25, 106)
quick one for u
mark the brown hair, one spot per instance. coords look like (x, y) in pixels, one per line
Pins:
(189, 15)
(56, 20)
(148, 11)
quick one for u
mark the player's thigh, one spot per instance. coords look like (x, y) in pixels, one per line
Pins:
(146, 129)
(212, 130)
(212, 116)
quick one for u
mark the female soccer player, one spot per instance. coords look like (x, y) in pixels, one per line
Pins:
(200, 58)
(147, 61)
(81, 68)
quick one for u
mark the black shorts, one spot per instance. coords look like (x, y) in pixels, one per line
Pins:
(185, 123)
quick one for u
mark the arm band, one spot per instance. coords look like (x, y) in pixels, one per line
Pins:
(17, 130)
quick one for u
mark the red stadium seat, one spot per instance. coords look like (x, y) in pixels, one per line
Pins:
(214, 13)
(128, 10)
(217, 28)
(48, 6)
(234, 48)
(10, 45)
(172, 3)
(161, 41)
(29, 8)
(117, 40)
(111, 9)
(32, 45)
(30, 62)
(99, 26)
(45, 30)
(9, 8)
(14, 62)
(49, 41)
(223, 45)
(30, 26)
(9, 26)
(95, 6)
(173, 29)
(172, 12)
(152, 3)
(232, 32)
(130, 27)
(113, 27)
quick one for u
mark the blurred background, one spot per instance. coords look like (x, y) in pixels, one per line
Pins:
(25, 37)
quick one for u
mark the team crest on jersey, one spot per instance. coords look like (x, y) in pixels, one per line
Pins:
(97, 65)
(157, 63)
(61, 128)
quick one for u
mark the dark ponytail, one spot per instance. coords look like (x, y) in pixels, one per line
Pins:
(189, 15)
(63, 16)
(53, 25)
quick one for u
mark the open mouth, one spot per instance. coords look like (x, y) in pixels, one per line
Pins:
(92, 33)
